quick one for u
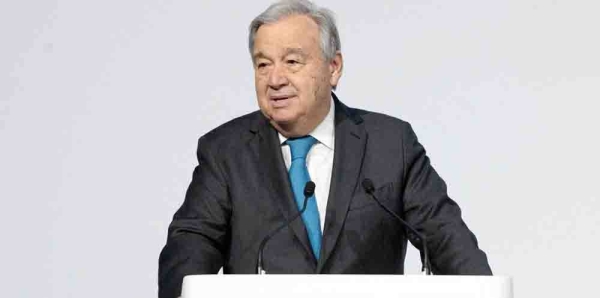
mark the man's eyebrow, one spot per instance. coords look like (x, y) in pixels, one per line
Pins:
(258, 55)
(287, 51)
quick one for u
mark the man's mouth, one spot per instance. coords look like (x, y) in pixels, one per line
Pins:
(280, 101)
(281, 97)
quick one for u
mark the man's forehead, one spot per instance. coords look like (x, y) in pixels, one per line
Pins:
(261, 53)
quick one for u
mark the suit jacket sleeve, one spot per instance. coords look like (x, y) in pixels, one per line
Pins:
(199, 232)
(453, 247)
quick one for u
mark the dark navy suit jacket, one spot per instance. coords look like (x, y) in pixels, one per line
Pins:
(240, 192)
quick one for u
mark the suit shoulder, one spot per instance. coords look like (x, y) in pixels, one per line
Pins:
(385, 128)
(230, 133)
(375, 120)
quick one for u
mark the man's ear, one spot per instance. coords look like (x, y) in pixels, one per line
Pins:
(335, 68)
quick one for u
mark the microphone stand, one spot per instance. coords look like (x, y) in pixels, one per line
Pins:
(309, 190)
(420, 238)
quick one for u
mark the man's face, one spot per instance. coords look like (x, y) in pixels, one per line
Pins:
(293, 80)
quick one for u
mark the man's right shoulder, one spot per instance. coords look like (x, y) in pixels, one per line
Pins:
(232, 133)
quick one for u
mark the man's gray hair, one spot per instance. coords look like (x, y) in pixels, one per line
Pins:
(330, 38)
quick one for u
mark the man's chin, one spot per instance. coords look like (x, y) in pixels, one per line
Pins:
(283, 121)
(283, 117)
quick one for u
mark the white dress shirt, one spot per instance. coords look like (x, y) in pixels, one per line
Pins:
(319, 160)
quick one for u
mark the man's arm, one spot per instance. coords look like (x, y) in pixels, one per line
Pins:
(452, 246)
(199, 233)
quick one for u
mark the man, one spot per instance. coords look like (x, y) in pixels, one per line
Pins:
(250, 176)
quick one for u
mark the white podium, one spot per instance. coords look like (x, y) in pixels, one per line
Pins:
(329, 286)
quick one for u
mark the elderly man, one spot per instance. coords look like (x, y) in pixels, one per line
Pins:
(252, 171)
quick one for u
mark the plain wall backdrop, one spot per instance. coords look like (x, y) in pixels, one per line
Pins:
(102, 103)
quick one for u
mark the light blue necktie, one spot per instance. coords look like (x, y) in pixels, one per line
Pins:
(298, 177)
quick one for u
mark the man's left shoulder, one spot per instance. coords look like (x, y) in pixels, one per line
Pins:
(375, 121)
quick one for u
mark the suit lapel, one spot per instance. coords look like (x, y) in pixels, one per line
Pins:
(274, 174)
(350, 142)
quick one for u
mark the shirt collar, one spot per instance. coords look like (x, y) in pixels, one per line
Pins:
(324, 132)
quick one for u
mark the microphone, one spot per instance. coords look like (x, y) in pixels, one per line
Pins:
(309, 191)
(367, 184)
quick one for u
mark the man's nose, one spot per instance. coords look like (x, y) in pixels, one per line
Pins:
(278, 77)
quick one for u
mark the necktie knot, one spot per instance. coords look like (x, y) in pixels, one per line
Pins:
(300, 146)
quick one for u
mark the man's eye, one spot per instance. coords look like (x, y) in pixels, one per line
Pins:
(261, 65)
(292, 62)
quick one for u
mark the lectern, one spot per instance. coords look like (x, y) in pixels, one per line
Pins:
(329, 286)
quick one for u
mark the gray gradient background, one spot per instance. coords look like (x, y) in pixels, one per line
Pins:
(102, 102)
